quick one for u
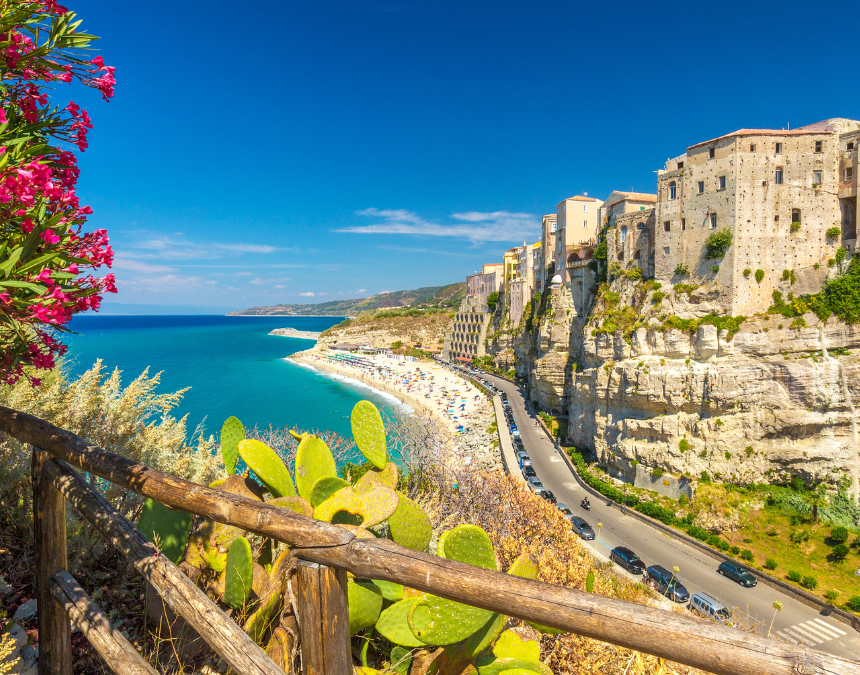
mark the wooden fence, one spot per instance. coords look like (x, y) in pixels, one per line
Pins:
(325, 552)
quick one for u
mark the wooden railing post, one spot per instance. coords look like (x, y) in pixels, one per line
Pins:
(323, 615)
(49, 531)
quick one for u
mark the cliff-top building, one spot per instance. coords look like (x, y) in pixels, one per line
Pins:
(549, 226)
(777, 191)
(578, 220)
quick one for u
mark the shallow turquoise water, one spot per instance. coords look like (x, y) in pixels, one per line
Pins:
(231, 364)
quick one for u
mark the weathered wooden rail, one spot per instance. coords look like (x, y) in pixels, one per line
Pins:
(326, 552)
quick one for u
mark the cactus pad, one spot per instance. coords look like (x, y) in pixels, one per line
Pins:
(373, 506)
(268, 466)
(439, 621)
(365, 604)
(393, 624)
(389, 476)
(511, 652)
(390, 591)
(468, 544)
(369, 433)
(410, 526)
(239, 577)
(240, 485)
(484, 636)
(170, 527)
(359, 532)
(313, 461)
(231, 433)
(297, 435)
(524, 566)
(297, 504)
(401, 659)
(324, 488)
(589, 582)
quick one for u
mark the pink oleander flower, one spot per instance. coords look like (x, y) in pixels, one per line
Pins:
(49, 237)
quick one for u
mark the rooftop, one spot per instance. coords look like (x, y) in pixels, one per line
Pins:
(632, 196)
(579, 198)
(803, 131)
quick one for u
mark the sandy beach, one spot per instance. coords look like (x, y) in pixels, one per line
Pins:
(429, 388)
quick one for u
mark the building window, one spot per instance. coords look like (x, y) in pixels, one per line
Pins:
(849, 174)
(776, 219)
(667, 226)
(637, 255)
(850, 146)
(816, 178)
(621, 255)
(778, 148)
(752, 147)
(777, 178)
(683, 224)
(713, 221)
(585, 223)
(673, 190)
(795, 215)
(666, 250)
(640, 226)
(585, 208)
(680, 165)
(711, 153)
(701, 187)
(819, 146)
(623, 234)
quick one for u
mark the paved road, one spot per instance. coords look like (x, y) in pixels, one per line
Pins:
(796, 623)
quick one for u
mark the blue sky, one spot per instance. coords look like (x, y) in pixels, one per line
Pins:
(255, 154)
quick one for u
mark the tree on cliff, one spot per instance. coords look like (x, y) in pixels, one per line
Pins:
(46, 259)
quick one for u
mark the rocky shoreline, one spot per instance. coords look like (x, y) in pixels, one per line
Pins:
(292, 332)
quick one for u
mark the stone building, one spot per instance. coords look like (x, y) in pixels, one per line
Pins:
(549, 226)
(468, 331)
(777, 191)
(481, 284)
(578, 220)
(630, 241)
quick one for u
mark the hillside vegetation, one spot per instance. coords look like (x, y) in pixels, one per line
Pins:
(445, 296)
(425, 328)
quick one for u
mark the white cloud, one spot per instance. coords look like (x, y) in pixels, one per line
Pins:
(211, 281)
(307, 295)
(246, 248)
(148, 245)
(259, 282)
(280, 286)
(323, 294)
(475, 226)
(361, 290)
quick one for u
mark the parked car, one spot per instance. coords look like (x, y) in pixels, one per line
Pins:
(627, 559)
(548, 495)
(518, 443)
(535, 484)
(526, 461)
(737, 572)
(666, 583)
(521, 453)
(705, 605)
(564, 508)
(515, 433)
(581, 527)
(529, 472)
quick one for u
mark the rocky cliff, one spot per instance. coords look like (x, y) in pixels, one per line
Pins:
(663, 379)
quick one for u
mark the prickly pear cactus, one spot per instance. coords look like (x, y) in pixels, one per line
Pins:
(268, 466)
(239, 571)
(468, 544)
(589, 582)
(324, 488)
(511, 652)
(389, 476)
(365, 604)
(232, 432)
(410, 525)
(390, 591)
(526, 566)
(373, 506)
(400, 659)
(171, 528)
(297, 504)
(369, 433)
(393, 624)
(313, 461)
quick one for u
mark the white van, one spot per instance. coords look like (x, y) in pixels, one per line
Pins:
(705, 605)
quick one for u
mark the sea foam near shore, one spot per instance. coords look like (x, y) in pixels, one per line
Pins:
(390, 399)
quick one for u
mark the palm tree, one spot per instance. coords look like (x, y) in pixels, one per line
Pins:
(777, 607)
(816, 497)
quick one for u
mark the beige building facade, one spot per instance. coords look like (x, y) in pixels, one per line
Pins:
(777, 191)
(481, 284)
(468, 332)
(578, 220)
(549, 227)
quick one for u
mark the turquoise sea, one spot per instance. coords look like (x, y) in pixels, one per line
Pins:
(231, 363)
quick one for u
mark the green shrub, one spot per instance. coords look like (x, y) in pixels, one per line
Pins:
(658, 296)
(747, 272)
(736, 550)
(634, 274)
(714, 268)
(786, 275)
(682, 270)
(809, 582)
(839, 534)
(747, 555)
(795, 226)
(841, 253)
(704, 477)
(717, 243)
(794, 575)
(770, 564)
(657, 472)
(759, 275)
(492, 301)
(728, 455)
(683, 500)
(684, 445)
(840, 552)
(853, 603)
(697, 532)
(833, 232)
(831, 596)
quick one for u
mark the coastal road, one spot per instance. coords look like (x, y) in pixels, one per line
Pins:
(795, 623)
